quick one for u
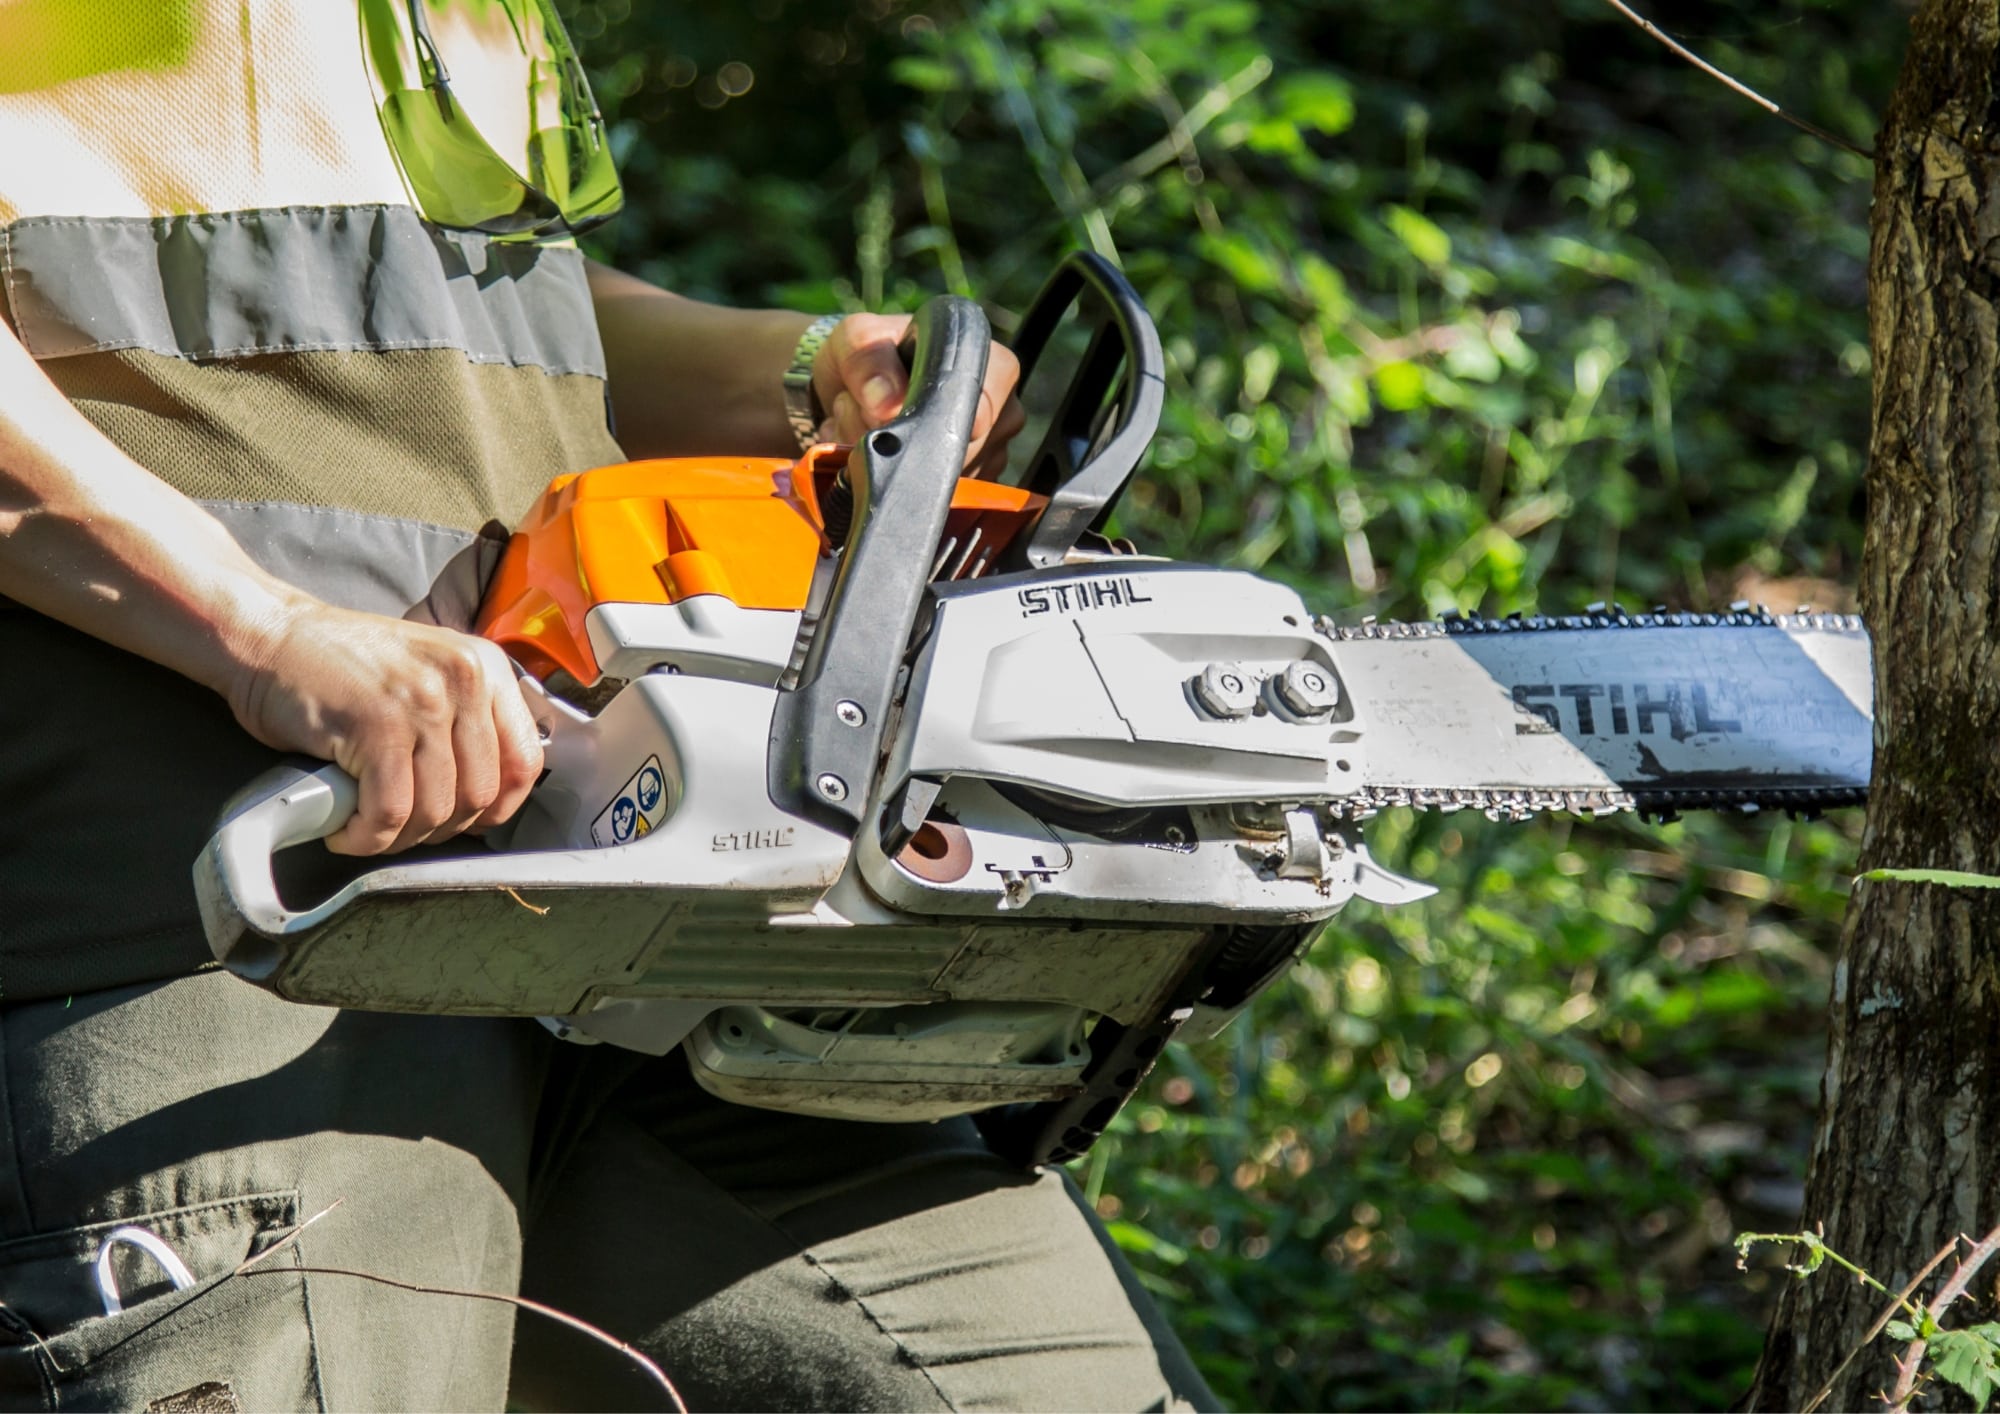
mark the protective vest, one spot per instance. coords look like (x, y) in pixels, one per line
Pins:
(209, 245)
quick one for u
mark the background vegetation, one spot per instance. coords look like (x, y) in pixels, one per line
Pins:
(1467, 305)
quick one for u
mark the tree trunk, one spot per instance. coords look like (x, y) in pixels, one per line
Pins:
(1907, 1151)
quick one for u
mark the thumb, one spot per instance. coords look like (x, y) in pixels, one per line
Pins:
(860, 360)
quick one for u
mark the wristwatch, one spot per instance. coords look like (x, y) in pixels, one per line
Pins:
(802, 407)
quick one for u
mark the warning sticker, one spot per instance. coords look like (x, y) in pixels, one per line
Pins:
(639, 806)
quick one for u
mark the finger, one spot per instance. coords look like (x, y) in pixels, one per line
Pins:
(988, 464)
(986, 454)
(848, 422)
(983, 419)
(860, 359)
(1003, 371)
(475, 748)
(1013, 417)
(434, 791)
(520, 743)
(987, 457)
(383, 798)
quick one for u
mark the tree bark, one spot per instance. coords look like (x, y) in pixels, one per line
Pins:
(1907, 1151)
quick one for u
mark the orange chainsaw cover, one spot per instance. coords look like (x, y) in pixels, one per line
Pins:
(655, 532)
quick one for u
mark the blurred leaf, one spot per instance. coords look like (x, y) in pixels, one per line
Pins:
(1950, 878)
(1423, 237)
(1249, 266)
(1318, 100)
(1400, 386)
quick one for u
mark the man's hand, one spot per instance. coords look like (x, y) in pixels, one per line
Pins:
(695, 379)
(430, 722)
(861, 381)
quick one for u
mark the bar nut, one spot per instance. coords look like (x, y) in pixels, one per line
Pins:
(1306, 689)
(1226, 690)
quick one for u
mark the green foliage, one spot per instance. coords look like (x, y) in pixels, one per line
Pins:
(1489, 1152)
(1967, 1358)
(1949, 878)
(1469, 305)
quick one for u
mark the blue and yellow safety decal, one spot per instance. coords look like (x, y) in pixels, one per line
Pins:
(637, 809)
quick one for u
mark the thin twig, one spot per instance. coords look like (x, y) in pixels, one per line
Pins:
(1059, 172)
(1888, 1314)
(540, 910)
(1750, 93)
(288, 1239)
(1179, 141)
(1961, 1277)
(575, 1323)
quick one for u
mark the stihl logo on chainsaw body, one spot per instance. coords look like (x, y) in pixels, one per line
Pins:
(726, 840)
(1619, 709)
(1083, 594)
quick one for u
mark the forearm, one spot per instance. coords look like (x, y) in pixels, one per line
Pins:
(89, 537)
(691, 379)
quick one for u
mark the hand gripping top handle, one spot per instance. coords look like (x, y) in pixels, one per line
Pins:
(826, 735)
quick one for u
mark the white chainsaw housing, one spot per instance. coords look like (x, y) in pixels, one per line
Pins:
(1108, 821)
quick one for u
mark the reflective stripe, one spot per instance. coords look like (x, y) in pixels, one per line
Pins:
(294, 279)
(378, 564)
(418, 433)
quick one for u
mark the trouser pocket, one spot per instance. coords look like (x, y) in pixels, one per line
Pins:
(228, 1342)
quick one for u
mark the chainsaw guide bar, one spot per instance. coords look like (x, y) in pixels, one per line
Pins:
(1796, 715)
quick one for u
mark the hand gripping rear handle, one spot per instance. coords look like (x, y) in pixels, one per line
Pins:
(233, 881)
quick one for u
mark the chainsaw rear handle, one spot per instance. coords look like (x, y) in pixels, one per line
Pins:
(826, 735)
(233, 881)
(1081, 466)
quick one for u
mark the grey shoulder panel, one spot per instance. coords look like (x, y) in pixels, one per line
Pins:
(297, 279)
(375, 563)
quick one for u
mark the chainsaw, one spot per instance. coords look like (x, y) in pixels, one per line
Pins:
(889, 794)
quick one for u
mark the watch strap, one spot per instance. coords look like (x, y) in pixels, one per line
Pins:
(802, 407)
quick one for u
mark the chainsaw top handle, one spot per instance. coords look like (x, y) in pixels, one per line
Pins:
(1104, 419)
(826, 735)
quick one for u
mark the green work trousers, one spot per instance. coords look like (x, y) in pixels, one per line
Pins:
(765, 1261)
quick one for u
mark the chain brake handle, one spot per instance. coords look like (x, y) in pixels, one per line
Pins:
(1104, 419)
(826, 733)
